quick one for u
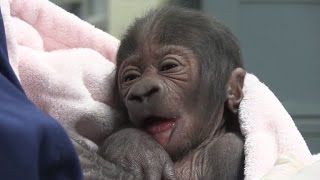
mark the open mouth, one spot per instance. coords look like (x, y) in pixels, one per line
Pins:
(160, 128)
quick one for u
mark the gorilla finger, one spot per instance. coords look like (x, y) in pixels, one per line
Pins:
(152, 174)
(168, 172)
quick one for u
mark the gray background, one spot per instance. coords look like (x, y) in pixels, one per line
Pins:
(280, 40)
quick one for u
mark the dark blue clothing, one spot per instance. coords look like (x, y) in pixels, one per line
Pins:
(32, 145)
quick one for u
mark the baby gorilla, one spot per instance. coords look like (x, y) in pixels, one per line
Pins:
(179, 80)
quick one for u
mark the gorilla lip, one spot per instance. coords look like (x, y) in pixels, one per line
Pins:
(160, 128)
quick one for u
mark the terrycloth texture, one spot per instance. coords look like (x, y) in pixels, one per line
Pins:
(63, 66)
(33, 144)
(288, 167)
(63, 62)
(268, 129)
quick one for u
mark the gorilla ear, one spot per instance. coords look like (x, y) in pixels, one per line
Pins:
(234, 92)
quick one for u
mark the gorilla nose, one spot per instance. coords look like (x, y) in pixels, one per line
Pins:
(144, 91)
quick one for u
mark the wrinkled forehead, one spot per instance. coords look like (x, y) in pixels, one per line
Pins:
(163, 29)
(150, 45)
(164, 40)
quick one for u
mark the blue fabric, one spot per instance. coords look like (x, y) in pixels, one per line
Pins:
(32, 145)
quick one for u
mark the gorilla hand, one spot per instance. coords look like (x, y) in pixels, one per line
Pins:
(139, 154)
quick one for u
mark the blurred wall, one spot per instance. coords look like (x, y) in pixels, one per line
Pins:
(92, 11)
(121, 13)
(280, 41)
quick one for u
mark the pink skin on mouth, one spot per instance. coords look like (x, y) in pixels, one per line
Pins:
(161, 131)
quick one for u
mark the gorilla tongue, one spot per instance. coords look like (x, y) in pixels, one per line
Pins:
(161, 130)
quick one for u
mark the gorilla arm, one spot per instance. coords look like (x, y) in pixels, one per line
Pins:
(93, 165)
(220, 159)
(129, 154)
(138, 154)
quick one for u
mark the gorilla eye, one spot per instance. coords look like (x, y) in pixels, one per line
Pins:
(167, 65)
(130, 76)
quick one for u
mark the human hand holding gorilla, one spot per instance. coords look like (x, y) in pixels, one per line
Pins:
(178, 82)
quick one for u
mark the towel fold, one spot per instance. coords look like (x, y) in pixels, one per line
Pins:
(268, 129)
(64, 64)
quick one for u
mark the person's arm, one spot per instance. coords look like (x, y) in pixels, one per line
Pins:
(33, 145)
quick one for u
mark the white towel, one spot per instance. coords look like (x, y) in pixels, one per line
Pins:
(268, 129)
(63, 63)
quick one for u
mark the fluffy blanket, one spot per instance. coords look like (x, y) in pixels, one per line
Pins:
(65, 66)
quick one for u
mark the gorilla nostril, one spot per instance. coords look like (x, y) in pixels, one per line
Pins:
(151, 91)
(133, 97)
(141, 96)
